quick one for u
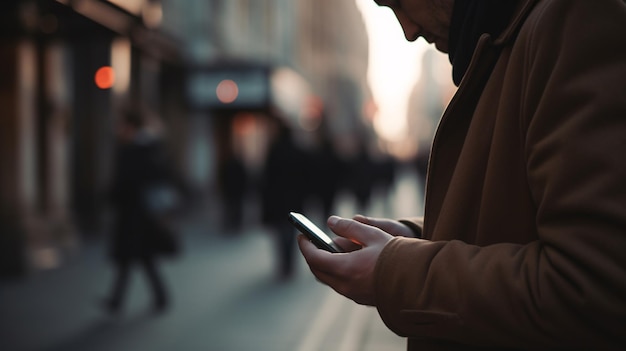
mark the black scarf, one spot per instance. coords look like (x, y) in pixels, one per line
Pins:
(471, 19)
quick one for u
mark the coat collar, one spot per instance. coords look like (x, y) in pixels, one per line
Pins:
(509, 34)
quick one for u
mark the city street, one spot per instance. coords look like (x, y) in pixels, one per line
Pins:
(225, 297)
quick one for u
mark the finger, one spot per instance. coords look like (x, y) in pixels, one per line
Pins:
(387, 225)
(384, 224)
(317, 259)
(325, 274)
(346, 244)
(353, 230)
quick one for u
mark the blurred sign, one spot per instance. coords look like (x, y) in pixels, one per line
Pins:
(230, 88)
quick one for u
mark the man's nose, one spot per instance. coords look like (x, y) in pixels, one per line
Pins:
(411, 30)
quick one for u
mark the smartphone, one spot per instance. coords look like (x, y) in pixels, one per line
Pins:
(314, 233)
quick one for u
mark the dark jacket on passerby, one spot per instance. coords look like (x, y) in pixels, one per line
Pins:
(284, 184)
(525, 211)
(139, 165)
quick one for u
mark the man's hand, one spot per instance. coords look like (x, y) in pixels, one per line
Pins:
(390, 226)
(352, 273)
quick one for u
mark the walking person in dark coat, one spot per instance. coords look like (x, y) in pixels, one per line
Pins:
(325, 168)
(283, 191)
(139, 163)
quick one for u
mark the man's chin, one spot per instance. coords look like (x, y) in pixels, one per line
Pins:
(443, 47)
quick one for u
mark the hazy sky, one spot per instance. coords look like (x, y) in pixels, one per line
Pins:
(394, 67)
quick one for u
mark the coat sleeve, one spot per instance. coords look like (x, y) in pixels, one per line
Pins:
(566, 290)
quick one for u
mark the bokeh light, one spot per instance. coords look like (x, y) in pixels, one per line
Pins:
(105, 77)
(227, 91)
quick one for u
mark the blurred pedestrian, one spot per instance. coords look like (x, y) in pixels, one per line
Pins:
(325, 166)
(234, 189)
(139, 166)
(362, 176)
(524, 232)
(283, 191)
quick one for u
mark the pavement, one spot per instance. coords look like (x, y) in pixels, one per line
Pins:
(226, 297)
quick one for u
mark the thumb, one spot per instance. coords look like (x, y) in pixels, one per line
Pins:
(357, 232)
(393, 227)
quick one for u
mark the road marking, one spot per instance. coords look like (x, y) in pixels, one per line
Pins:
(355, 329)
(322, 322)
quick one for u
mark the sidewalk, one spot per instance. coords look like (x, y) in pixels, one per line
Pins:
(378, 337)
(225, 298)
(342, 325)
(58, 311)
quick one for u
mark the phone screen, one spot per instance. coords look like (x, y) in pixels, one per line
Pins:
(313, 232)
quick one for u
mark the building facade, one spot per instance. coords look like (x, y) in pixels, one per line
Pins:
(58, 120)
(60, 117)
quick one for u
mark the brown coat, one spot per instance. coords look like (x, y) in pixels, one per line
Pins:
(526, 197)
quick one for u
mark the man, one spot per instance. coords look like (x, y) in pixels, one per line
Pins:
(523, 243)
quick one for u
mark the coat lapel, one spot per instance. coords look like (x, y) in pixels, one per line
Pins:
(452, 129)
